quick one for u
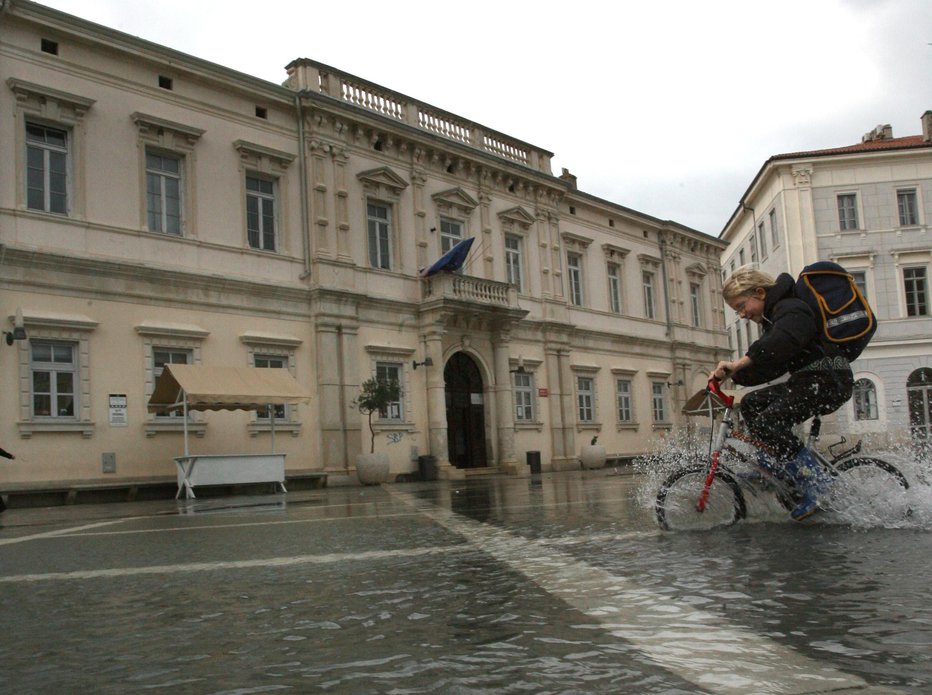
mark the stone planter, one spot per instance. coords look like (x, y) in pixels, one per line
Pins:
(372, 469)
(592, 456)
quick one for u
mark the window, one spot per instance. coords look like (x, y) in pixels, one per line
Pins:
(847, 212)
(451, 233)
(513, 260)
(648, 281)
(865, 400)
(164, 355)
(623, 400)
(762, 239)
(163, 192)
(614, 288)
(917, 291)
(741, 256)
(775, 241)
(659, 401)
(860, 279)
(585, 398)
(574, 277)
(379, 235)
(54, 378)
(908, 209)
(524, 397)
(695, 303)
(260, 213)
(46, 169)
(271, 362)
(49, 46)
(753, 241)
(388, 372)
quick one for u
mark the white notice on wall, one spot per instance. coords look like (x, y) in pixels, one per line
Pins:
(118, 410)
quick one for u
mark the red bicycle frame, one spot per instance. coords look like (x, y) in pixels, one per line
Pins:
(713, 388)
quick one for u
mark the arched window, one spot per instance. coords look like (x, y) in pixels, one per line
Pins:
(865, 400)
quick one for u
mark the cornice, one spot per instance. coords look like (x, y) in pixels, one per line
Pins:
(179, 280)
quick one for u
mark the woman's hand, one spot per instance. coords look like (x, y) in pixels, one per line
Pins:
(726, 369)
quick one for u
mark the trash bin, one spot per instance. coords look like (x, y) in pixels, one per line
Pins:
(427, 467)
(533, 460)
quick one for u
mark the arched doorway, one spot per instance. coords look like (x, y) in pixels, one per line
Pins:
(465, 412)
(919, 394)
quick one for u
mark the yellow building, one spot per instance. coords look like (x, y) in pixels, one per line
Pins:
(157, 209)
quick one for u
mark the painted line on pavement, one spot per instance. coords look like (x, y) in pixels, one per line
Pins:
(697, 645)
(63, 531)
(236, 564)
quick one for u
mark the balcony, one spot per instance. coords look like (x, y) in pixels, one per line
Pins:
(472, 303)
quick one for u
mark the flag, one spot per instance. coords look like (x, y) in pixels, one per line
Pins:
(452, 260)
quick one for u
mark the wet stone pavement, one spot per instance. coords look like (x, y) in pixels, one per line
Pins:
(558, 584)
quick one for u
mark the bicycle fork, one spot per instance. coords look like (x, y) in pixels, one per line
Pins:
(723, 431)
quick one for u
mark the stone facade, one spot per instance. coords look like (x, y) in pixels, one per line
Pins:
(158, 208)
(867, 206)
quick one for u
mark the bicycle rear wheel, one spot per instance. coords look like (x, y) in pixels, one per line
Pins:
(868, 492)
(677, 498)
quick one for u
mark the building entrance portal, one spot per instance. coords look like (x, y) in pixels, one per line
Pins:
(465, 412)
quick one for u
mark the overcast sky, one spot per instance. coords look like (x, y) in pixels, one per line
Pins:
(669, 107)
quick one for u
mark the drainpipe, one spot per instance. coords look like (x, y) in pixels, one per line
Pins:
(302, 173)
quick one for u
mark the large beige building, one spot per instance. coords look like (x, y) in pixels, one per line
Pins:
(867, 206)
(159, 209)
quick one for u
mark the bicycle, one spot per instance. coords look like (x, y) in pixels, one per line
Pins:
(703, 494)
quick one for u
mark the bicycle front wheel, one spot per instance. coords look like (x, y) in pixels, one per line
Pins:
(869, 492)
(678, 496)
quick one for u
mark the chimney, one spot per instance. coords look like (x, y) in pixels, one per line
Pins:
(881, 132)
(569, 178)
(927, 126)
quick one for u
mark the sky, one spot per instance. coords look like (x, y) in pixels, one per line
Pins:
(668, 107)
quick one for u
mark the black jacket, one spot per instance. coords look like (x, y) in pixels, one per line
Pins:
(790, 338)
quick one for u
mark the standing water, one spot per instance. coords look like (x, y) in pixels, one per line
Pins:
(555, 583)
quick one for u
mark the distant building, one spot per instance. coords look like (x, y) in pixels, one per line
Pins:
(867, 206)
(159, 209)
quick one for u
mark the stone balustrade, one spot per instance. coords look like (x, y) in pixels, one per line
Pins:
(470, 289)
(306, 74)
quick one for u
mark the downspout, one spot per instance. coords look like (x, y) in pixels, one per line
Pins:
(341, 379)
(302, 173)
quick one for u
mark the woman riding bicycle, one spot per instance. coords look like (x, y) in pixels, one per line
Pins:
(820, 380)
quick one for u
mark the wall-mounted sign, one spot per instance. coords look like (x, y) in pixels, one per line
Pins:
(475, 398)
(118, 410)
(543, 393)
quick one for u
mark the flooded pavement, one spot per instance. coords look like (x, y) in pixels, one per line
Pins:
(560, 584)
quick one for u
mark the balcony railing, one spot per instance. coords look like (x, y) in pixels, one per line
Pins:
(305, 74)
(466, 288)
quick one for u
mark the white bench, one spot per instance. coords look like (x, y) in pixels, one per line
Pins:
(228, 469)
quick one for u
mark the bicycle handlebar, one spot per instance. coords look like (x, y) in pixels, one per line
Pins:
(715, 388)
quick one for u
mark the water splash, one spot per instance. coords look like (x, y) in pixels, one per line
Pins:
(863, 497)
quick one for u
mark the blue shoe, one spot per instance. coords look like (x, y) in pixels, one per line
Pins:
(811, 482)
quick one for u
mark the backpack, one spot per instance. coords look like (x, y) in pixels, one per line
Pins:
(845, 319)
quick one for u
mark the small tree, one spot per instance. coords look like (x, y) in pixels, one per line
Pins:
(375, 395)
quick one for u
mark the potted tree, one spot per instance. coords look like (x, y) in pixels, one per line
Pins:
(374, 396)
(593, 454)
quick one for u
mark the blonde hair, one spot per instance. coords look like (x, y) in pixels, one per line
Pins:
(744, 281)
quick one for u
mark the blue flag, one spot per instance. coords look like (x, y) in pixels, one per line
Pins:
(452, 260)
